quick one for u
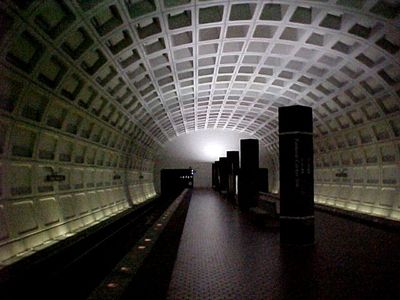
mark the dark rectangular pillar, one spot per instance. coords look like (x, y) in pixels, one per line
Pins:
(214, 175)
(233, 157)
(296, 175)
(224, 174)
(233, 162)
(248, 175)
(249, 154)
(217, 175)
(263, 180)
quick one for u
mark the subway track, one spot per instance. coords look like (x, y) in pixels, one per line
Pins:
(72, 268)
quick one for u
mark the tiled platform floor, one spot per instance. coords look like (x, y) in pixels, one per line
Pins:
(222, 255)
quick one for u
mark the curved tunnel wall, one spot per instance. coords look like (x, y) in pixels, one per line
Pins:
(55, 119)
(105, 172)
(357, 169)
(91, 89)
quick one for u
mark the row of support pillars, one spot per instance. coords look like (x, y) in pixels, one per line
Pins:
(243, 183)
(224, 172)
(296, 175)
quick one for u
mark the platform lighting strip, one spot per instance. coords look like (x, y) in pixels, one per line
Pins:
(122, 275)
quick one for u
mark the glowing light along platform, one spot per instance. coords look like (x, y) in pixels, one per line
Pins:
(115, 284)
(223, 255)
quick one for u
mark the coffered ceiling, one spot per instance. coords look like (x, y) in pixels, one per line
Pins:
(172, 67)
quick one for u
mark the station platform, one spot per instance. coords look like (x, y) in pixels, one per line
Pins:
(224, 255)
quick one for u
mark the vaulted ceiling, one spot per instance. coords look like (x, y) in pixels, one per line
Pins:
(169, 67)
